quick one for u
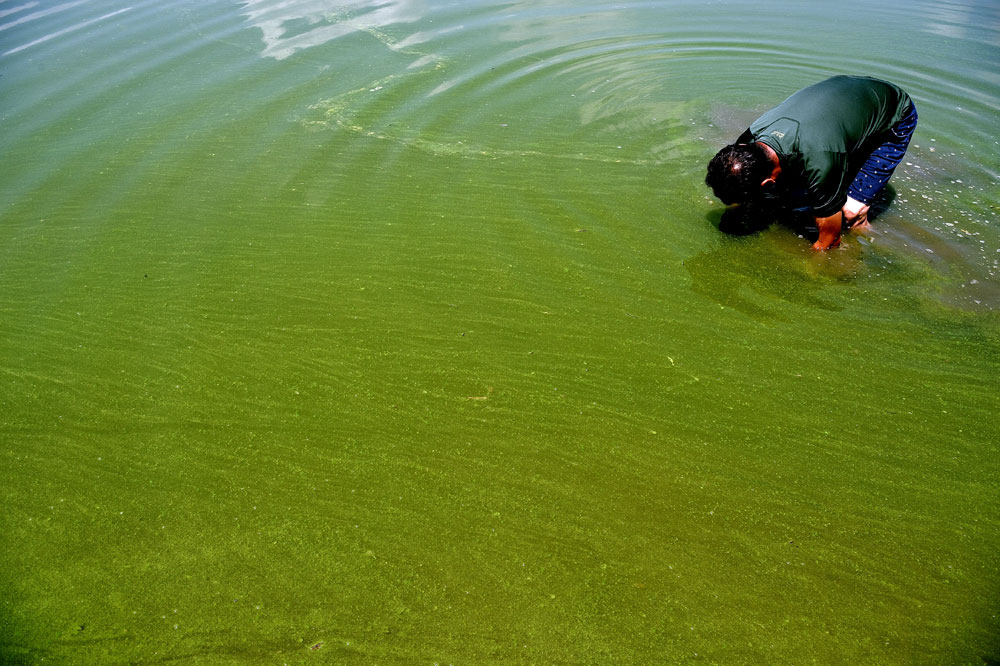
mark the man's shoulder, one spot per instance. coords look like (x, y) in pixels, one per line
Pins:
(779, 132)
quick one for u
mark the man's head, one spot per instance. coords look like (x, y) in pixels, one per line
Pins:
(737, 172)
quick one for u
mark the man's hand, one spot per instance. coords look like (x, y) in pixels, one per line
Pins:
(829, 231)
(856, 213)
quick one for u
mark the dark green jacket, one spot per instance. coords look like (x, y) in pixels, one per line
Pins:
(824, 133)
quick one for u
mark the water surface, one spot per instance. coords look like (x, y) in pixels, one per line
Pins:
(402, 332)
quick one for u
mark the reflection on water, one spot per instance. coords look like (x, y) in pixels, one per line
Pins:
(760, 279)
(975, 20)
(27, 18)
(291, 26)
(42, 13)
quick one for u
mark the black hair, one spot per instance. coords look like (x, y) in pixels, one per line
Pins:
(736, 172)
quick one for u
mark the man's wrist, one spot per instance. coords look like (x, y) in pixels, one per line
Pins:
(853, 207)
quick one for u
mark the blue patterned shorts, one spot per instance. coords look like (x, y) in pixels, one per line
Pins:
(878, 168)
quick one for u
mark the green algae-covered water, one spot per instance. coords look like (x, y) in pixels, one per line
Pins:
(402, 332)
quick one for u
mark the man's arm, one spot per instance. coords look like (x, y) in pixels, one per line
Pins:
(829, 231)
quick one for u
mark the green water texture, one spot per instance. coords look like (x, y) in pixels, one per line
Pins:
(418, 344)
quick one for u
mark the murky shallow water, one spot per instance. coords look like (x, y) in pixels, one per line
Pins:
(402, 332)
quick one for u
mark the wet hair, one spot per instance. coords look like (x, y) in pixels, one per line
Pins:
(736, 172)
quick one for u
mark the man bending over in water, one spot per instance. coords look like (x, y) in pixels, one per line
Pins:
(829, 149)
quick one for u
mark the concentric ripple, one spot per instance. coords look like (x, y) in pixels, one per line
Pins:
(646, 85)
